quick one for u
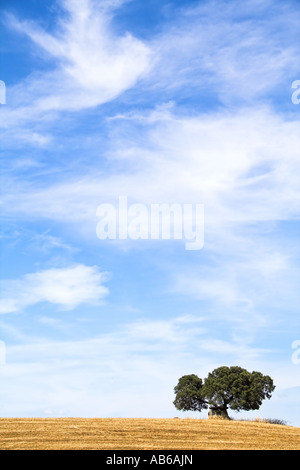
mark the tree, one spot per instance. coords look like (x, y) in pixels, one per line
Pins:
(224, 387)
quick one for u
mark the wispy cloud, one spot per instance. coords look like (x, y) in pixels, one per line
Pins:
(91, 64)
(137, 360)
(64, 287)
(242, 166)
(238, 53)
(201, 114)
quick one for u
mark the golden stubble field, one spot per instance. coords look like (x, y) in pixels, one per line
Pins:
(144, 434)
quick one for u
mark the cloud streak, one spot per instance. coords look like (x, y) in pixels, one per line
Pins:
(65, 287)
(138, 360)
(242, 166)
(200, 112)
(92, 64)
(239, 53)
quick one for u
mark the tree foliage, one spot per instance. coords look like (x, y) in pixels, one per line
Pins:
(224, 387)
(189, 394)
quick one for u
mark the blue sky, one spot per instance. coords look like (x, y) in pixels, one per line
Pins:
(185, 102)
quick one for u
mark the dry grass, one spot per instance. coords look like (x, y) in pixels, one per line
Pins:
(144, 434)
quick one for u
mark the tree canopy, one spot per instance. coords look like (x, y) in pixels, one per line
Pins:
(223, 388)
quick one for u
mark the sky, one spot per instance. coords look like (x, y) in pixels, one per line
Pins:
(187, 103)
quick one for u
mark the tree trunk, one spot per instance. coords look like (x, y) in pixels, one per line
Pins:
(217, 411)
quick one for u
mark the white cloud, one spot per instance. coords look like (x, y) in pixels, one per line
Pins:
(169, 332)
(237, 53)
(65, 287)
(242, 166)
(129, 371)
(246, 281)
(93, 65)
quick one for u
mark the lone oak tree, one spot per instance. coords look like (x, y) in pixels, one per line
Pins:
(225, 387)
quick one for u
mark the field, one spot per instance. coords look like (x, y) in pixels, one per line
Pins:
(144, 434)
